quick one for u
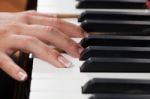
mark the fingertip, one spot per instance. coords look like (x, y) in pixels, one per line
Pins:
(21, 76)
(66, 63)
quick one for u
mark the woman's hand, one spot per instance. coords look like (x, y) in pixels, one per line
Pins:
(33, 32)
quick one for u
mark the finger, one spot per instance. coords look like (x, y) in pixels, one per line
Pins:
(53, 36)
(40, 50)
(67, 28)
(13, 70)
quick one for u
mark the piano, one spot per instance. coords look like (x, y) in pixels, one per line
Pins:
(114, 64)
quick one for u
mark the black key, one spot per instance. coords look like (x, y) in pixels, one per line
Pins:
(117, 86)
(112, 4)
(114, 15)
(109, 40)
(126, 65)
(115, 52)
(120, 26)
(119, 96)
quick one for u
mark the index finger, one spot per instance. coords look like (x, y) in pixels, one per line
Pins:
(70, 29)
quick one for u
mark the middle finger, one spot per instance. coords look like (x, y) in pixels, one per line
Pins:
(51, 35)
(67, 28)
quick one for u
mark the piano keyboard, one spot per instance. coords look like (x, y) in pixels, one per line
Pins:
(78, 82)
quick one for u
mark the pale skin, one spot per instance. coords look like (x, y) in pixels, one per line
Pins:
(33, 32)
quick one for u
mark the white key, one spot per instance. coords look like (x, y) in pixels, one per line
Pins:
(51, 95)
(68, 6)
(49, 76)
(58, 6)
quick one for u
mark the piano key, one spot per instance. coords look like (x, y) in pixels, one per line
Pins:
(39, 95)
(114, 40)
(63, 84)
(113, 4)
(119, 96)
(114, 15)
(95, 64)
(47, 95)
(121, 26)
(57, 6)
(57, 85)
(68, 84)
(114, 86)
(115, 52)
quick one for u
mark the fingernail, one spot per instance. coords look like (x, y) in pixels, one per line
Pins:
(22, 76)
(80, 50)
(64, 61)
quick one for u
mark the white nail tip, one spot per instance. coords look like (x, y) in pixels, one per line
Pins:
(68, 65)
(64, 61)
(22, 76)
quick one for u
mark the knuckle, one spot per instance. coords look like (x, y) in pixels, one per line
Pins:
(46, 49)
(25, 17)
(50, 29)
(29, 40)
(54, 52)
(50, 52)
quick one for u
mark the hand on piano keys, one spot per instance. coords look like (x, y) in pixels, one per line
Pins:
(33, 32)
(121, 74)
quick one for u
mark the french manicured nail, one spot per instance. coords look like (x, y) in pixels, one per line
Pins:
(64, 61)
(22, 76)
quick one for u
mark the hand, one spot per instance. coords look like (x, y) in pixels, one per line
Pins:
(33, 32)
